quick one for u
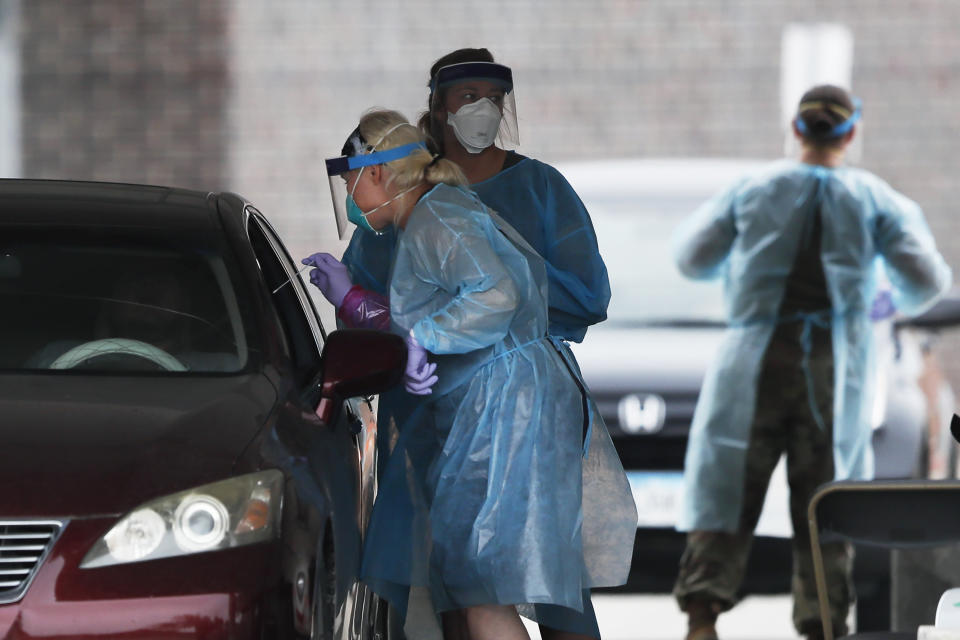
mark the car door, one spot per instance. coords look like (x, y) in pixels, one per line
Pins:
(339, 464)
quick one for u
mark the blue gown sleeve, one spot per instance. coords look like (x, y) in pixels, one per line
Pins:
(483, 296)
(702, 243)
(917, 271)
(368, 259)
(579, 290)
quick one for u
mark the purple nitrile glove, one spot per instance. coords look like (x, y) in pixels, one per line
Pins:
(418, 376)
(330, 276)
(882, 306)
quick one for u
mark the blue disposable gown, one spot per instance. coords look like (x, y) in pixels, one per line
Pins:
(748, 235)
(487, 497)
(538, 202)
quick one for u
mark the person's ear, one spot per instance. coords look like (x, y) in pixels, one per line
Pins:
(376, 173)
(796, 130)
(847, 139)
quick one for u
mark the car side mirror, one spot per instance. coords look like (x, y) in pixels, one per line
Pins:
(945, 313)
(358, 362)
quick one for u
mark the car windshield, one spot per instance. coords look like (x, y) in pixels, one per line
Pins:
(635, 241)
(117, 301)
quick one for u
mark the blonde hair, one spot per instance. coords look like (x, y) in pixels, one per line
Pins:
(419, 166)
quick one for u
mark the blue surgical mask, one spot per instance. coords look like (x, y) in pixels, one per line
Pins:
(356, 216)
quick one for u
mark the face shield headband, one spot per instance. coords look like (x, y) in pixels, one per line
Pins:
(489, 71)
(839, 130)
(345, 163)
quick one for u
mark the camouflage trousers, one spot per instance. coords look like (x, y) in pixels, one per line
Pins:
(713, 564)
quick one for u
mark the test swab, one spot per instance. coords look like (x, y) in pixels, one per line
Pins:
(309, 266)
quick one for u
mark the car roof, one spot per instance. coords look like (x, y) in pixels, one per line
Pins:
(70, 203)
(613, 177)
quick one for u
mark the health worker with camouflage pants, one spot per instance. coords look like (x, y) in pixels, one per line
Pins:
(797, 247)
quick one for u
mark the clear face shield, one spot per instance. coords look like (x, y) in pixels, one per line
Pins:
(338, 192)
(344, 172)
(477, 100)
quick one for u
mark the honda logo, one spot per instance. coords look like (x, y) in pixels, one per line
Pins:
(642, 413)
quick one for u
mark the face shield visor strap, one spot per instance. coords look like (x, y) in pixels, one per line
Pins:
(337, 167)
(508, 135)
(841, 129)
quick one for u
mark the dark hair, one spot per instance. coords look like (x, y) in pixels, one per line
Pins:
(822, 108)
(427, 123)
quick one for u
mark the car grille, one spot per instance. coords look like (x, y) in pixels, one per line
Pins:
(23, 546)
(679, 413)
(661, 450)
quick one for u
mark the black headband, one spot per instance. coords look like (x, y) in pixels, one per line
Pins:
(354, 145)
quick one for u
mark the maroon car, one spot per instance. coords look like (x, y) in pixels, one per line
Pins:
(180, 455)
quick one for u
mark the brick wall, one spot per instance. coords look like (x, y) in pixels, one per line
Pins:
(124, 90)
(251, 95)
(594, 79)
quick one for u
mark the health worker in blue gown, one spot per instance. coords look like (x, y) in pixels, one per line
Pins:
(498, 499)
(798, 246)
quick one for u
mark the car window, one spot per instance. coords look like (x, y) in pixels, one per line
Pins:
(302, 330)
(118, 300)
(636, 206)
(635, 235)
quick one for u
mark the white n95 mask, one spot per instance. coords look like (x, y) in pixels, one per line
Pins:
(476, 124)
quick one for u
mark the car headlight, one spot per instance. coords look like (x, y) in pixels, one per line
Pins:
(230, 513)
